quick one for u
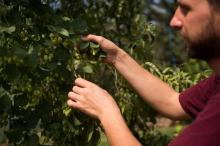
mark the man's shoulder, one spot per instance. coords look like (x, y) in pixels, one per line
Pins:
(207, 82)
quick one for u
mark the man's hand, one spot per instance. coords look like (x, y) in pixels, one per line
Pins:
(91, 99)
(111, 49)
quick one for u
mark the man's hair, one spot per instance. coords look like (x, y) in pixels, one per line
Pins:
(215, 4)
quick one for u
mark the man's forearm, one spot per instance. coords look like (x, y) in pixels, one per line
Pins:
(117, 132)
(157, 93)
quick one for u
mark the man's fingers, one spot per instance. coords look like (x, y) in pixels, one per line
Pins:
(82, 83)
(90, 37)
(93, 38)
(72, 104)
(77, 89)
(73, 96)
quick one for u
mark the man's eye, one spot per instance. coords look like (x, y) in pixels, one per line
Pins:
(184, 9)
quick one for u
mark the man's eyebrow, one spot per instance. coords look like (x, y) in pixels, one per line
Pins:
(179, 2)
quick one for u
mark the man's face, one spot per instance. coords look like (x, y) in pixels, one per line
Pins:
(199, 27)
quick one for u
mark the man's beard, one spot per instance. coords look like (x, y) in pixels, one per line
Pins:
(207, 47)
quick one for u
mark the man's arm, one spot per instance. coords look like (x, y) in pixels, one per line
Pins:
(154, 91)
(96, 102)
(117, 132)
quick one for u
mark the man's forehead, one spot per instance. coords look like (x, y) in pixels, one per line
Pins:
(181, 1)
(191, 3)
(188, 1)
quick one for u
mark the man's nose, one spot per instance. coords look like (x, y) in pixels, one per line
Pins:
(176, 22)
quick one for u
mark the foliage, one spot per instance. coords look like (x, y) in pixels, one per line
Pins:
(41, 54)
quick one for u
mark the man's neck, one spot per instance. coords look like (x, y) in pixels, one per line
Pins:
(215, 65)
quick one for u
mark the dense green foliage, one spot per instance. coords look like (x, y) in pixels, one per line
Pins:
(41, 54)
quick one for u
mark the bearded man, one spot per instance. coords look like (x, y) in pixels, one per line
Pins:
(198, 21)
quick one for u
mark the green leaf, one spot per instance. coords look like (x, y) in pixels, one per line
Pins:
(93, 45)
(63, 31)
(66, 18)
(84, 46)
(9, 30)
(59, 30)
(88, 69)
(77, 122)
(94, 51)
(67, 111)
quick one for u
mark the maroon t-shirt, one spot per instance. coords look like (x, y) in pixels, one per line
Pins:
(201, 102)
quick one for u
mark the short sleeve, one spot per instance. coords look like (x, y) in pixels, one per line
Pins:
(205, 130)
(194, 99)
